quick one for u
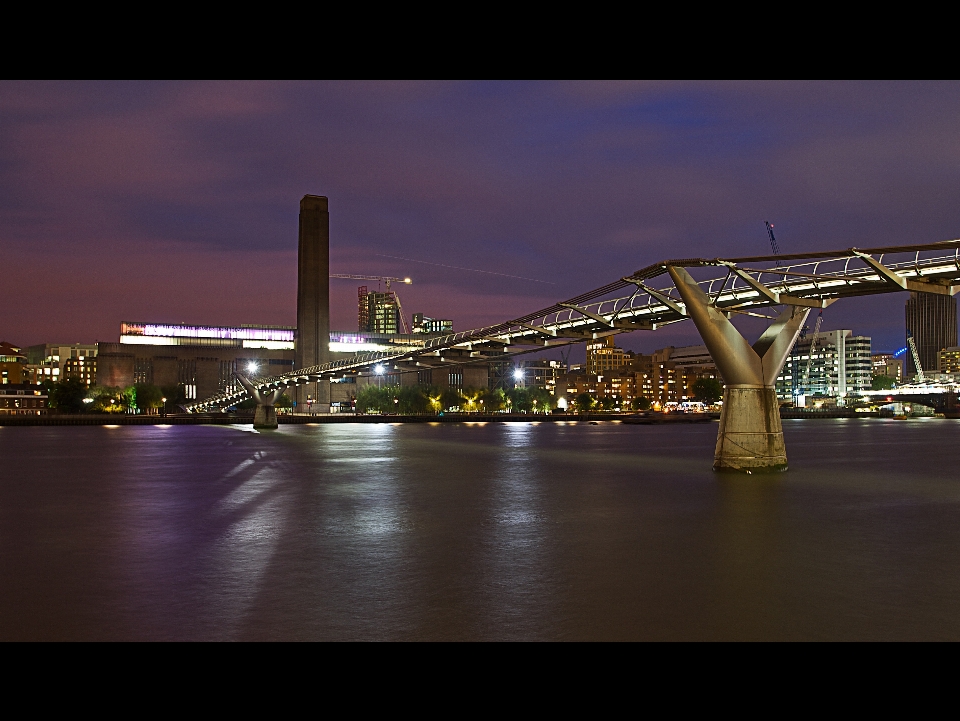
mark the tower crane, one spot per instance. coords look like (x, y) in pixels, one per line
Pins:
(387, 281)
(773, 240)
(916, 358)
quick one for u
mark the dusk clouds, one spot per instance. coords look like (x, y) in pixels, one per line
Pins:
(178, 201)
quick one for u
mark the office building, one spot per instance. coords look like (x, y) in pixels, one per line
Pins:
(840, 364)
(932, 321)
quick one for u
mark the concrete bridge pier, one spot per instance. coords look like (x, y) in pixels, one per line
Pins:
(265, 415)
(750, 438)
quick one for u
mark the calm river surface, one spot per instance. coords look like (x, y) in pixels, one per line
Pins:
(477, 531)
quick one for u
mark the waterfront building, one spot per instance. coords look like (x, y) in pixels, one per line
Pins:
(23, 399)
(665, 376)
(539, 374)
(887, 364)
(841, 364)
(200, 360)
(932, 321)
(59, 361)
(13, 364)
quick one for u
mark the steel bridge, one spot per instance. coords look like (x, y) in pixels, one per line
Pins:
(780, 288)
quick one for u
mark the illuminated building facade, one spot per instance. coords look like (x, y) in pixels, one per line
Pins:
(665, 376)
(932, 321)
(13, 364)
(604, 356)
(423, 324)
(949, 360)
(378, 312)
(842, 364)
(887, 364)
(194, 361)
(58, 361)
(24, 399)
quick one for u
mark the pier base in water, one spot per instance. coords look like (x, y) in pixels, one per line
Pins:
(751, 435)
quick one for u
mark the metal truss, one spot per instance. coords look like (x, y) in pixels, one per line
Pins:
(643, 301)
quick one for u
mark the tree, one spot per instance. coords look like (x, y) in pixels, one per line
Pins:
(883, 383)
(283, 402)
(148, 396)
(606, 403)
(640, 404)
(707, 390)
(67, 396)
(450, 398)
(584, 402)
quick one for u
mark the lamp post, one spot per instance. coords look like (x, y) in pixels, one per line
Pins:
(378, 370)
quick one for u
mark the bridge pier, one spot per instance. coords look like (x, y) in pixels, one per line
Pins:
(265, 415)
(750, 438)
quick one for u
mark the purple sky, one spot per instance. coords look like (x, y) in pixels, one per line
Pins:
(178, 201)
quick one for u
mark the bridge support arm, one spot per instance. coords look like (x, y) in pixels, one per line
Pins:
(750, 437)
(265, 415)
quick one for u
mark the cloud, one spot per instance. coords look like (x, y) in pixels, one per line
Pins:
(573, 182)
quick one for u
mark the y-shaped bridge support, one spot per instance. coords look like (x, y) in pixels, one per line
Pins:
(751, 435)
(266, 415)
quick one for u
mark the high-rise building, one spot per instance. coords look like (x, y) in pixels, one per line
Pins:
(841, 364)
(603, 355)
(313, 298)
(378, 312)
(932, 321)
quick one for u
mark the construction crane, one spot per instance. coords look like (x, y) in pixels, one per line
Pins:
(813, 347)
(387, 281)
(773, 240)
(916, 358)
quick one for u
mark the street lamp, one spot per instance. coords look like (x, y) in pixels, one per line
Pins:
(518, 376)
(252, 367)
(378, 370)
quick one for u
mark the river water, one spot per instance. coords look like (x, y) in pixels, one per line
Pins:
(477, 532)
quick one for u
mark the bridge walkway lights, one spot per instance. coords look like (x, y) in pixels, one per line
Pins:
(750, 421)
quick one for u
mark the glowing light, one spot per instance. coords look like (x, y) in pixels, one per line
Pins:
(517, 374)
(407, 281)
(252, 367)
(378, 369)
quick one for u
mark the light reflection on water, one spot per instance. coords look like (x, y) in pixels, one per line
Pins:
(477, 531)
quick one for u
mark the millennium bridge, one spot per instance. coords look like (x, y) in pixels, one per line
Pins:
(779, 288)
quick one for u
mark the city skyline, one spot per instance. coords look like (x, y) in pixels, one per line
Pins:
(173, 202)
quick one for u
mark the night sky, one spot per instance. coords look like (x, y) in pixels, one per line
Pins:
(178, 202)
